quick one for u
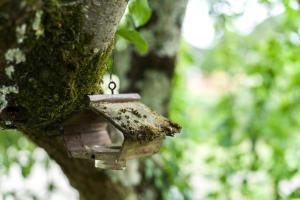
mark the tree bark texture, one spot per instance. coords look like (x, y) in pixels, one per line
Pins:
(58, 50)
(53, 53)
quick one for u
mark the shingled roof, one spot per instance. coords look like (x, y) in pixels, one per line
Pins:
(133, 118)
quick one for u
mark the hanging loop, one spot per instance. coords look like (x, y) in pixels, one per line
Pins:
(112, 86)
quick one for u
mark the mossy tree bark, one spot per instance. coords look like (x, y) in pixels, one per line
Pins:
(58, 50)
(53, 53)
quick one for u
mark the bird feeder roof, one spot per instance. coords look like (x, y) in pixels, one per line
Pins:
(134, 119)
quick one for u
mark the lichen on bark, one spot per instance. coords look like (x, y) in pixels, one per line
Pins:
(65, 60)
(62, 65)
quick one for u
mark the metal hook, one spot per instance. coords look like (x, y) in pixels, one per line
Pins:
(112, 86)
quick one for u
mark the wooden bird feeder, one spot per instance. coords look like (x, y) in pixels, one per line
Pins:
(115, 128)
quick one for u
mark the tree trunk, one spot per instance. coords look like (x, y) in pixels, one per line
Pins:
(57, 50)
(151, 74)
(53, 53)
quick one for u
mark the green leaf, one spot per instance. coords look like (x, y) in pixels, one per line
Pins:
(26, 170)
(134, 37)
(140, 11)
(51, 186)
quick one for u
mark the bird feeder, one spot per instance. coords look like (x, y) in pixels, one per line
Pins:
(115, 128)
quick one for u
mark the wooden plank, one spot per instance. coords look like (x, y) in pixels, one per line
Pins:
(114, 97)
(136, 149)
(113, 164)
(103, 153)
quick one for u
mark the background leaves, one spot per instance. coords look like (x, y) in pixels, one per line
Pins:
(138, 15)
(139, 11)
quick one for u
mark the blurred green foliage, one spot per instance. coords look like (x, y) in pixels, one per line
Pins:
(11, 145)
(137, 15)
(18, 154)
(245, 139)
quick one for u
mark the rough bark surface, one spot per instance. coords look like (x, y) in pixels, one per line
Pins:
(58, 50)
(92, 183)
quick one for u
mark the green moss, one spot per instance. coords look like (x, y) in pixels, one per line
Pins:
(60, 68)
